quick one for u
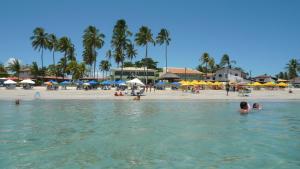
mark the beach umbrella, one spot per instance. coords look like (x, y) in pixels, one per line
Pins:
(209, 83)
(78, 82)
(10, 82)
(106, 82)
(86, 84)
(135, 81)
(27, 81)
(182, 81)
(161, 83)
(256, 84)
(269, 84)
(176, 84)
(281, 84)
(93, 82)
(217, 83)
(120, 82)
(202, 83)
(65, 83)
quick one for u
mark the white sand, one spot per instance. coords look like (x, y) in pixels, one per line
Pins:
(72, 93)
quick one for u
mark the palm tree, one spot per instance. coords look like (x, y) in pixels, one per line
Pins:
(211, 64)
(226, 61)
(109, 55)
(104, 66)
(15, 66)
(52, 46)
(3, 71)
(93, 39)
(88, 58)
(205, 60)
(130, 51)
(292, 67)
(163, 37)
(65, 45)
(34, 69)
(143, 38)
(39, 41)
(119, 42)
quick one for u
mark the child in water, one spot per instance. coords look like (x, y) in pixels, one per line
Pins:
(257, 106)
(244, 107)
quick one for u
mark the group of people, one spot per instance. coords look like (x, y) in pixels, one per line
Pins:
(246, 108)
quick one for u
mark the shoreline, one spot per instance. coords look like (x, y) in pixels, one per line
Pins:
(160, 95)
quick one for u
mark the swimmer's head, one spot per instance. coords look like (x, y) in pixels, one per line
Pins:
(244, 105)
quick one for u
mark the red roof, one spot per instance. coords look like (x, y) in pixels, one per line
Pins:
(183, 71)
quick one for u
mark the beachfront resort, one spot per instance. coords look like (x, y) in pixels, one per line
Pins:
(150, 84)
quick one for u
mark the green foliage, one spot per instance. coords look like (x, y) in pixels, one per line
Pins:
(129, 64)
(293, 67)
(163, 37)
(148, 62)
(3, 72)
(39, 41)
(225, 61)
(15, 66)
(77, 70)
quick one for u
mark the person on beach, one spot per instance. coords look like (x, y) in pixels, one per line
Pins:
(138, 97)
(227, 86)
(257, 106)
(244, 107)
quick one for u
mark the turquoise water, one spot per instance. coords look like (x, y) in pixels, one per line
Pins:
(148, 134)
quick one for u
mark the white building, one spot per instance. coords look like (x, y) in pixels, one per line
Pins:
(129, 72)
(229, 74)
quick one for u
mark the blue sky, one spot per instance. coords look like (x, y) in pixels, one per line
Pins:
(261, 35)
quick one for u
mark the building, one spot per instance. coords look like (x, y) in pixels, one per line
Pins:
(296, 82)
(130, 72)
(230, 74)
(209, 77)
(25, 73)
(185, 73)
(264, 78)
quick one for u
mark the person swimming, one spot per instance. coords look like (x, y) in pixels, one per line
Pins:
(17, 101)
(256, 106)
(244, 107)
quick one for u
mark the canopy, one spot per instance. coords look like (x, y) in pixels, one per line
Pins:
(27, 81)
(135, 81)
(217, 83)
(281, 84)
(65, 82)
(10, 82)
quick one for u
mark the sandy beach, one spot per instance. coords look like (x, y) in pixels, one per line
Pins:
(72, 93)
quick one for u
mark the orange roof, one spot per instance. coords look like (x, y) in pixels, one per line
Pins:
(183, 71)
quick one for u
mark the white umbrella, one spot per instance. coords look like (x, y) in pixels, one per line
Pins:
(135, 81)
(10, 82)
(86, 84)
(27, 81)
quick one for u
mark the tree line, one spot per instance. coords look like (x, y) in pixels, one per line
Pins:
(292, 69)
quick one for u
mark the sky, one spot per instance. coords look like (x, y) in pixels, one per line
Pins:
(260, 35)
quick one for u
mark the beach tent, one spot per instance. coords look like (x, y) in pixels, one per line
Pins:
(27, 81)
(9, 82)
(135, 81)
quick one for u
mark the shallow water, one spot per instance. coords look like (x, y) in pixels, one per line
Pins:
(148, 134)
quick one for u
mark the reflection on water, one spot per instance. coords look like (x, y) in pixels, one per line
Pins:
(147, 134)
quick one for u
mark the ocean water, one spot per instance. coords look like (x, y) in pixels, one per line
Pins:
(148, 134)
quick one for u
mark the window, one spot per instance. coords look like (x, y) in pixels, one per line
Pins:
(236, 74)
(220, 75)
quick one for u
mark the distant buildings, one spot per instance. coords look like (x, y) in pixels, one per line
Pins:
(129, 72)
(184, 73)
(264, 78)
(296, 82)
(226, 75)
(25, 73)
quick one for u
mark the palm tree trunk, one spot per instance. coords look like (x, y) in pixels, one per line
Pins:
(42, 58)
(54, 64)
(206, 70)
(145, 64)
(166, 52)
(122, 70)
(95, 62)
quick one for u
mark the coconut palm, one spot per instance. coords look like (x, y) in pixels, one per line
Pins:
(3, 71)
(226, 61)
(39, 41)
(130, 51)
(15, 66)
(104, 66)
(65, 45)
(52, 46)
(143, 38)
(93, 39)
(163, 37)
(120, 39)
(211, 64)
(293, 67)
(205, 60)
(34, 70)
